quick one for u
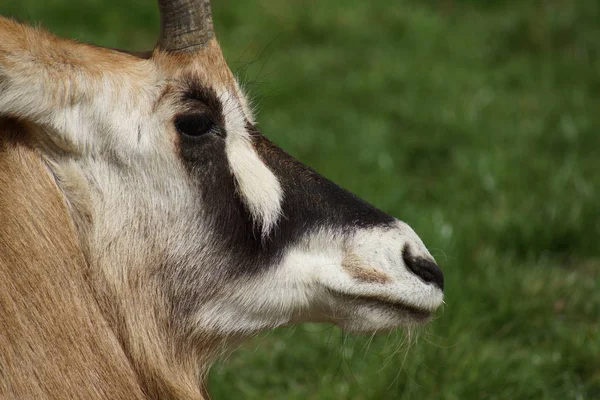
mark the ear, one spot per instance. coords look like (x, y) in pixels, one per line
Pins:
(61, 85)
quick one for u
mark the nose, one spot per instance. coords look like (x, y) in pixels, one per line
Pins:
(425, 269)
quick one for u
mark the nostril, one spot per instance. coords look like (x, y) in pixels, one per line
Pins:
(423, 268)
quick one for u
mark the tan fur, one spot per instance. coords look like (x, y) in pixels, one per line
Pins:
(54, 341)
(65, 331)
(357, 269)
(71, 325)
(207, 65)
(33, 53)
(167, 366)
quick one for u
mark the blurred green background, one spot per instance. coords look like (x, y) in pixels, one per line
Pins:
(477, 122)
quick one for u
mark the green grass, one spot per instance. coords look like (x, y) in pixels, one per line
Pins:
(478, 123)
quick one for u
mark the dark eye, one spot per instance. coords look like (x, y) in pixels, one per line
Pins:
(194, 124)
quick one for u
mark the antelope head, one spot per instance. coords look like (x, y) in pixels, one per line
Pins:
(196, 229)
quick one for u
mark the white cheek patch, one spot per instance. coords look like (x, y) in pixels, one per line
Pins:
(258, 186)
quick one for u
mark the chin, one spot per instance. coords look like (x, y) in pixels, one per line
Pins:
(375, 316)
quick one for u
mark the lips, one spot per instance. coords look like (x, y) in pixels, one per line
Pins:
(416, 313)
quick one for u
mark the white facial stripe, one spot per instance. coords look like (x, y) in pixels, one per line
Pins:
(245, 103)
(258, 186)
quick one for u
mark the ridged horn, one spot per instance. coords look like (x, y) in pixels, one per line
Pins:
(186, 25)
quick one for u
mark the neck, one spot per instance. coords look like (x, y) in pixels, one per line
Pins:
(69, 328)
(54, 341)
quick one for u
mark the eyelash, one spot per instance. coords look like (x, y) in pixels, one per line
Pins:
(194, 125)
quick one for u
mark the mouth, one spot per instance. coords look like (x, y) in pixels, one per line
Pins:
(396, 307)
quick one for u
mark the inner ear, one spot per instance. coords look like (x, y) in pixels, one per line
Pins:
(10, 128)
(32, 135)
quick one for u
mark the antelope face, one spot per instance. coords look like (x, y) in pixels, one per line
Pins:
(183, 205)
(279, 243)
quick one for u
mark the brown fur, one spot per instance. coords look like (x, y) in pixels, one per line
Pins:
(67, 330)
(33, 53)
(70, 328)
(207, 64)
(357, 269)
(54, 341)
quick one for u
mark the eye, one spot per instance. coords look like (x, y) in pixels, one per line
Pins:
(194, 124)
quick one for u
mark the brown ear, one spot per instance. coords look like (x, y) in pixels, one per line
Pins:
(50, 81)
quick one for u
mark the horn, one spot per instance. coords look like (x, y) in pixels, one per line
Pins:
(186, 25)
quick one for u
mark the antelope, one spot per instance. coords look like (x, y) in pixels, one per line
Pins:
(146, 224)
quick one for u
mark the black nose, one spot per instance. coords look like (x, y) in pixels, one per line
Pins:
(423, 268)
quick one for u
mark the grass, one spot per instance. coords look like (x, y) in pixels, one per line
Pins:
(477, 122)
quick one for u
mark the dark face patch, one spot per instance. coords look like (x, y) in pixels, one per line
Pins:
(237, 247)
(310, 201)
(205, 98)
